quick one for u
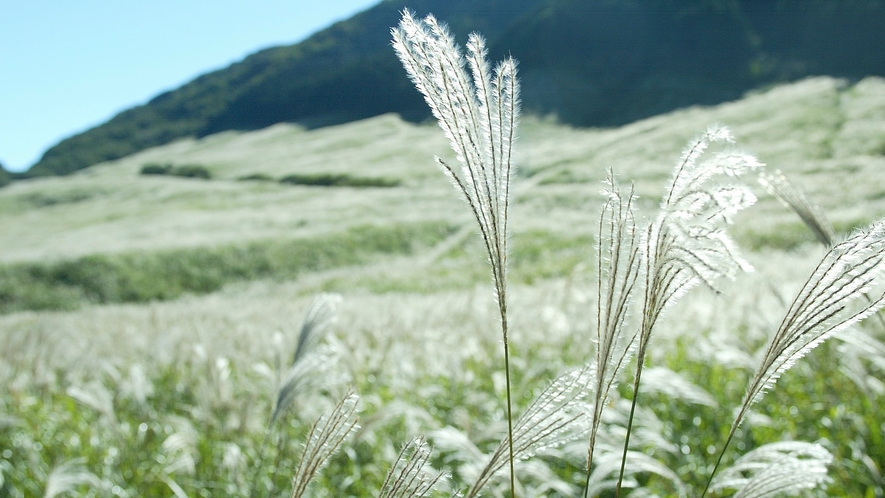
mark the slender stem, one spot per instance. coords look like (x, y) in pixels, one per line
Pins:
(639, 360)
(260, 463)
(589, 462)
(731, 433)
(502, 306)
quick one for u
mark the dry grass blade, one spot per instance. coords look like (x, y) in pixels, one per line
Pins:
(69, 476)
(794, 198)
(324, 438)
(479, 116)
(409, 478)
(618, 260)
(823, 307)
(556, 416)
(776, 469)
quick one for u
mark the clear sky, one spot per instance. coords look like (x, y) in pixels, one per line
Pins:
(68, 65)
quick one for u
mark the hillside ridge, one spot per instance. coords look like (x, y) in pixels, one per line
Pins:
(598, 63)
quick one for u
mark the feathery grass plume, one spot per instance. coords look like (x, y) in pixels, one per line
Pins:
(96, 396)
(556, 416)
(324, 438)
(649, 431)
(664, 381)
(775, 469)
(603, 477)
(686, 244)
(809, 211)
(69, 476)
(309, 363)
(618, 263)
(409, 477)
(180, 447)
(319, 317)
(793, 197)
(479, 116)
(822, 308)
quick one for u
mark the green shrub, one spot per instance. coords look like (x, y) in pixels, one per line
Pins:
(339, 180)
(156, 169)
(256, 177)
(191, 171)
(184, 170)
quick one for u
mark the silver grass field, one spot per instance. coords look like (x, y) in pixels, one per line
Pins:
(684, 306)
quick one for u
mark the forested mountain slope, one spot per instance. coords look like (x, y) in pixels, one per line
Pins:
(590, 63)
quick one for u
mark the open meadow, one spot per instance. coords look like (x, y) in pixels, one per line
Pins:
(148, 321)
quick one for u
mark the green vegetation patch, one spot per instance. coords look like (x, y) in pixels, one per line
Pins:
(183, 170)
(163, 275)
(338, 180)
(536, 255)
(780, 236)
(256, 177)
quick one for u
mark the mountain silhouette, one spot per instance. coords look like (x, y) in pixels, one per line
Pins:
(588, 62)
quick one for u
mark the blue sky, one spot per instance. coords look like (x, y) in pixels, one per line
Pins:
(66, 65)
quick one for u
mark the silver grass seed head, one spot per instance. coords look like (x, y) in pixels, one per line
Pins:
(478, 112)
(786, 467)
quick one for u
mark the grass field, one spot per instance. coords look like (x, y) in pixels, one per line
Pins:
(149, 320)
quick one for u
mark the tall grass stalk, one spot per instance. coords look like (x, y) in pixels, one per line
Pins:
(822, 308)
(618, 270)
(306, 368)
(687, 244)
(478, 113)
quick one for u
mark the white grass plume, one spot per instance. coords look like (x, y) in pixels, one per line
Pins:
(68, 476)
(479, 114)
(822, 308)
(687, 244)
(794, 198)
(555, 417)
(324, 439)
(320, 315)
(409, 477)
(306, 366)
(618, 263)
(775, 469)
(96, 396)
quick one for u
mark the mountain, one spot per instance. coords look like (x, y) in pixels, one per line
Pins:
(589, 62)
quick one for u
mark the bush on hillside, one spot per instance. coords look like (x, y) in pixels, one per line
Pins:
(184, 170)
(339, 180)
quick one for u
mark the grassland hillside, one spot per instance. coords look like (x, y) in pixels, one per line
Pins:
(591, 63)
(147, 319)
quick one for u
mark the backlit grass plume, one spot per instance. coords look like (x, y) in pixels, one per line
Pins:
(323, 440)
(825, 305)
(409, 477)
(794, 198)
(618, 260)
(687, 243)
(478, 113)
(776, 469)
(554, 417)
(306, 366)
